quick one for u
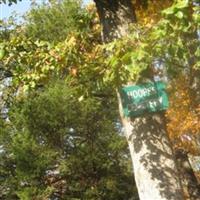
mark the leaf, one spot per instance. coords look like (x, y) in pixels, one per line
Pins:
(182, 4)
(197, 52)
(114, 61)
(81, 98)
(168, 11)
(2, 54)
(179, 14)
(176, 8)
(126, 58)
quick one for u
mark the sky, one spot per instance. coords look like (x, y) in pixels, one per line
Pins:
(20, 8)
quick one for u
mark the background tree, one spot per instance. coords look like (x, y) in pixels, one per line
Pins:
(53, 21)
(62, 147)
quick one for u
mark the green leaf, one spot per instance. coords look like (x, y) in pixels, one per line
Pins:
(176, 8)
(179, 14)
(182, 4)
(2, 53)
(197, 52)
(126, 58)
(168, 11)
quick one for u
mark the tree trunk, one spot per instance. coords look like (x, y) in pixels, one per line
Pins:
(115, 17)
(154, 164)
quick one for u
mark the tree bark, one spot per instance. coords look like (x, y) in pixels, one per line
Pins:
(154, 165)
(115, 17)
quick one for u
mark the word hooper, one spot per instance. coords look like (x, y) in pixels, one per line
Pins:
(139, 99)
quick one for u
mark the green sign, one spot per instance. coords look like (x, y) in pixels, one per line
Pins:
(139, 99)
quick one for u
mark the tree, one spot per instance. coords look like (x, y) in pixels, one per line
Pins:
(62, 147)
(131, 59)
(151, 151)
(48, 22)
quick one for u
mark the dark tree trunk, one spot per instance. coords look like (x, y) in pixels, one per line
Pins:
(115, 17)
(155, 170)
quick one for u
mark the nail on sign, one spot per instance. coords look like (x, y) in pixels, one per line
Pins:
(139, 99)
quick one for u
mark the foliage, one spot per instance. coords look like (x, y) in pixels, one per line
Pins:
(150, 15)
(60, 140)
(54, 21)
(126, 62)
(64, 134)
(128, 58)
(178, 33)
(9, 2)
(63, 146)
(184, 118)
(32, 63)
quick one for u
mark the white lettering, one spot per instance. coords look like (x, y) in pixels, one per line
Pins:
(140, 93)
